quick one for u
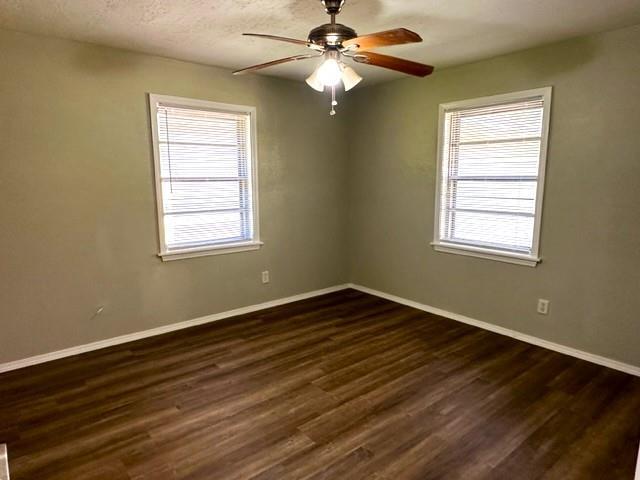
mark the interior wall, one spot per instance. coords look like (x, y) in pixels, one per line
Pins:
(590, 236)
(78, 208)
(78, 219)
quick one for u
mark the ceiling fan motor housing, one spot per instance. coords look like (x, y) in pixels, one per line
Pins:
(331, 34)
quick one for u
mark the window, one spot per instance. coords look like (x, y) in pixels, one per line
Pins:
(491, 160)
(205, 167)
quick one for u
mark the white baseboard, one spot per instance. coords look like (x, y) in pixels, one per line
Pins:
(4, 462)
(589, 357)
(68, 352)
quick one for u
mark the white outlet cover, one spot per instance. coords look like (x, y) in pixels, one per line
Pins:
(543, 306)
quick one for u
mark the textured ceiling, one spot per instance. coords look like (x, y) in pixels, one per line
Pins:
(209, 31)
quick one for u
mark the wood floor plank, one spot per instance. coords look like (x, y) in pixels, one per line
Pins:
(342, 386)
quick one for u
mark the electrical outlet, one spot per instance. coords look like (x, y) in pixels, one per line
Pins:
(265, 276)
(543, 306)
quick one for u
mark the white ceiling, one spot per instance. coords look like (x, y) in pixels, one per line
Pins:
(209, 31)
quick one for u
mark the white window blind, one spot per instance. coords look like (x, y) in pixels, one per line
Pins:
(204, 174)
(491, 164)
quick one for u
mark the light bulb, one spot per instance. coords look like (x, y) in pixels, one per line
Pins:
(350, 78)
(329, 73)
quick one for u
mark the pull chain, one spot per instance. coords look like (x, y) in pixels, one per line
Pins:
(333, 101)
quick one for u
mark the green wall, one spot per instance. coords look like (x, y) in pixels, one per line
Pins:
(77, 197)
(590, 241)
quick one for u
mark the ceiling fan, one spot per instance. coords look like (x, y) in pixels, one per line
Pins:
(333, 41)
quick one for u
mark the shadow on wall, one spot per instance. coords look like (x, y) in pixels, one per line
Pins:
(574, 54)
(101, 61)
(538, 66)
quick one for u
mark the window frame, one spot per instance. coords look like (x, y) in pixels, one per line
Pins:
(439, 245)
(223, 248)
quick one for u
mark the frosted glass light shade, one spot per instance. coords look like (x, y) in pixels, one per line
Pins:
(329, 73)
(350, 78)
(314, 82)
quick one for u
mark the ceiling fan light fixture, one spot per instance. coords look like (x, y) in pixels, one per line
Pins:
(330, 73)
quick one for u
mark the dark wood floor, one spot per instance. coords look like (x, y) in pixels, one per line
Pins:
(345, 386)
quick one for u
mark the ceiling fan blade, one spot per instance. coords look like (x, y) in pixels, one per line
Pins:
(279, 39)
(253, 68)
(387, 38)
(394, 63)
(286, 39)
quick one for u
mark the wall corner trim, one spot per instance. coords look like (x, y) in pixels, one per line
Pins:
(573, 352)
(130, 337)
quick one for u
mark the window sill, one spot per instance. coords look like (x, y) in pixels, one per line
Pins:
(208, 251)
(487, 254)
